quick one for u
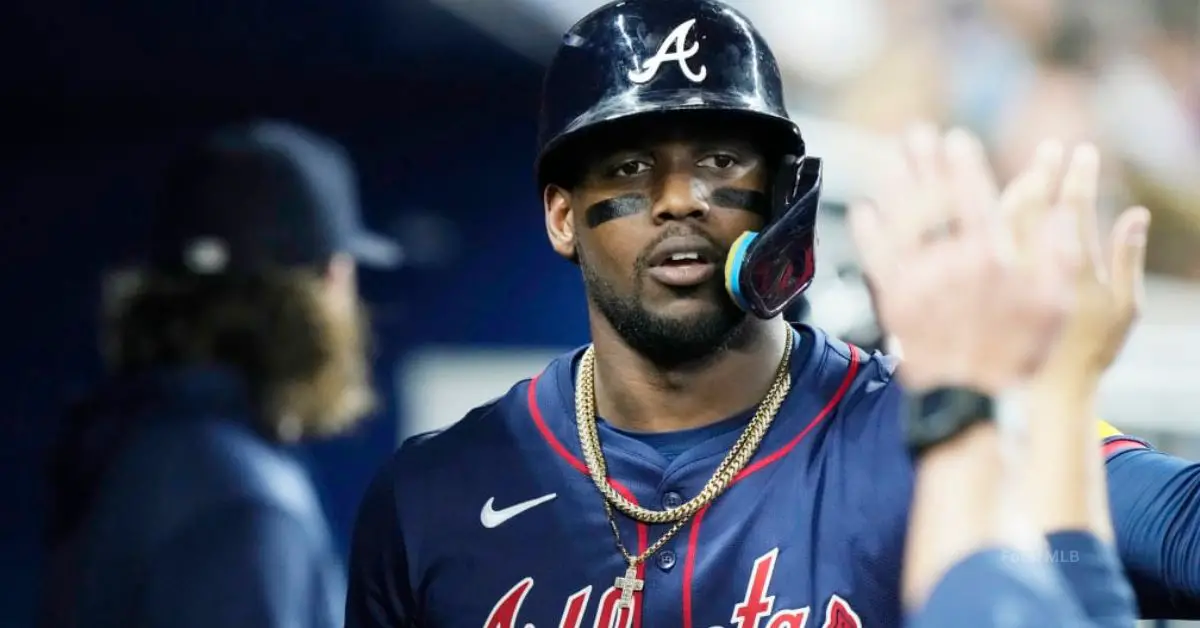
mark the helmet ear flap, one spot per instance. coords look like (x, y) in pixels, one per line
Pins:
(795, 177)
(784, 185)
(766, 272)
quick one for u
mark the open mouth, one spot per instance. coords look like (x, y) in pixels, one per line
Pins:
(685, 259)
(680, 268)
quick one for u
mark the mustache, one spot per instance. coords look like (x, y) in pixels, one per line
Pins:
(624, 205)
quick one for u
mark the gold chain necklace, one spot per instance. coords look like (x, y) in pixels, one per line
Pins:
(737, 458)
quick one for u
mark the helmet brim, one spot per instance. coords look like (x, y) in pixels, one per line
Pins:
(623, 109)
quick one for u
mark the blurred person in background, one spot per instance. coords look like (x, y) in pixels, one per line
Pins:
(906, 80)
(1053, 98)
(1119, 74)
(746, 469)
(175, 500)
(1148, 99)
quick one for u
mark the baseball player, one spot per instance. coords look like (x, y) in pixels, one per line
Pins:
(700, 462)
(176, 500)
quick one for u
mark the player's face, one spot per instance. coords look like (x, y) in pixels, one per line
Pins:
(651, 223)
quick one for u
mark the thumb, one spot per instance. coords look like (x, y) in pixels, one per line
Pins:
(1129, 258)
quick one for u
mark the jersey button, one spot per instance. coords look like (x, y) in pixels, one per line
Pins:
(666, 560)
(672, 500)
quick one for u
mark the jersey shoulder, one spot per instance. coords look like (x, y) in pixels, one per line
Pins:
(486, 431)
(863, 440)
(868, 377)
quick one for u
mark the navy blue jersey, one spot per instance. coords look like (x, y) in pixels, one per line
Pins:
(1080, 586)
(170, 509)
(494, 521)
(1155, 503)
(989, 589)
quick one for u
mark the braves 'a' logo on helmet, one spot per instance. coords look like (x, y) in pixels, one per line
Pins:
(673, 48)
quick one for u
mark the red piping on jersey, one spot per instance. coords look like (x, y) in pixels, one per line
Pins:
(643, 530)
(1118, 444)
(689, 564)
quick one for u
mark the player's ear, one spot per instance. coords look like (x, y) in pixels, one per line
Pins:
(560, 220)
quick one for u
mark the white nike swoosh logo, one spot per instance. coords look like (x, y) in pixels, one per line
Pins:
(491, 518)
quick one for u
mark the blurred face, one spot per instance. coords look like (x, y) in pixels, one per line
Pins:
(340, 393)
(651, 222)
(1033, 19)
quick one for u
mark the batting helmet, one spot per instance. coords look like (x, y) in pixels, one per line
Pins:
(636, 58)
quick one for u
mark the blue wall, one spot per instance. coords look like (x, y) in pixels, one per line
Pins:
(441, 121)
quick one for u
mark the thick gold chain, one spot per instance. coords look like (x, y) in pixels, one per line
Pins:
(737, 458)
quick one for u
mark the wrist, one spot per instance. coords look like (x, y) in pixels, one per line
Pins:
(1070, 371)
(1064, 389)
(923, 376)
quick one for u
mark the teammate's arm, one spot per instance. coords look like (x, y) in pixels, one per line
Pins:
(243, 566)
(991, 589)
(1065, 478)
(1152, 500)
(973, 548)
(1155, 502)
(978, 323)
(1066, 487)
(378, 594)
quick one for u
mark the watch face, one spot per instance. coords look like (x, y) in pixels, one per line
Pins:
(951, 402)
(941, 413)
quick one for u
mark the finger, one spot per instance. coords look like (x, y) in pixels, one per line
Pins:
(927, 205)
(1033, 188)
(1079, 194)
(1051, 270)
(891, 182)
(1014, 227)
(1027, 199)
(868, 229)
(894, 193)
(1060, 231)
(923, 148)
(1047, 169)
(973, 185)
(1129, 258)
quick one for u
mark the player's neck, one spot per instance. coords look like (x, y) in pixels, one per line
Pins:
(633, 393)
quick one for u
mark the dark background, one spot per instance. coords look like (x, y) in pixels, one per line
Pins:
(99, 94)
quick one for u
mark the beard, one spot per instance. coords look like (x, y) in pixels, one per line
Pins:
(340, 393)
(668, 342)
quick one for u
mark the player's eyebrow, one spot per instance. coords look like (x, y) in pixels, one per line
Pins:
(741, 146)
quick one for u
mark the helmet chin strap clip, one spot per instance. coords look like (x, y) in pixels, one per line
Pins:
(767, 271)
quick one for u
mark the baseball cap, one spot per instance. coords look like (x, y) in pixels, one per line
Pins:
(263, 195)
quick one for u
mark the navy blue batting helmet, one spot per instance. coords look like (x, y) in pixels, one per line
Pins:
(635, 58)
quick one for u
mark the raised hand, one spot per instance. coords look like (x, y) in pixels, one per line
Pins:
(974, 300)
(1109, 284)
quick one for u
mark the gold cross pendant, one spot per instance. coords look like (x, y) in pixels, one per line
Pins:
(628, 584)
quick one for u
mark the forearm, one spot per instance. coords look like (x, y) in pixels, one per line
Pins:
(964, 501)
(1065, 466)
